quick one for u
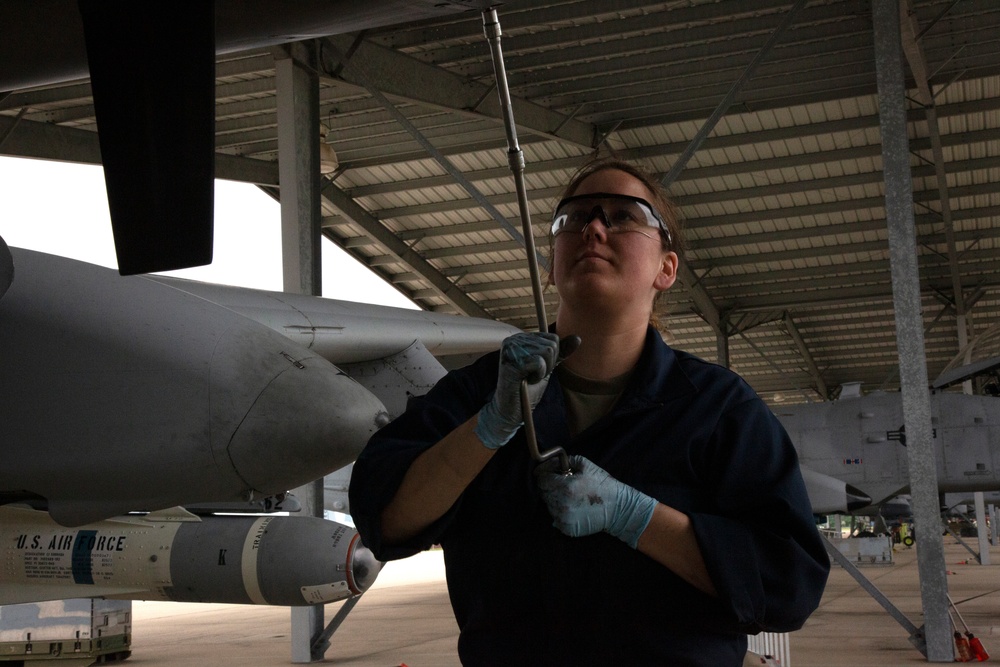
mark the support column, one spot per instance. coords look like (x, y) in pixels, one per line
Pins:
(994, 518)
(722, 342)
(984, 545)
(299, 176)
(297, 90)
(909, 329)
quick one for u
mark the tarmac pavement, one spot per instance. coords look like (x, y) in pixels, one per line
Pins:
(406, 619)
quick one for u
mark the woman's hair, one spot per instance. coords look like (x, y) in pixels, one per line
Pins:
(660, 199)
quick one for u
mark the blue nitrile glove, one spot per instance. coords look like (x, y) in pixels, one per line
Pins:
(590, 500)
(523, 356)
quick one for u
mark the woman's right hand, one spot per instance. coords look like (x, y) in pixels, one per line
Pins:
(523, 356)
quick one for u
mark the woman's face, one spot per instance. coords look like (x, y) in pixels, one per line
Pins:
(623, 269)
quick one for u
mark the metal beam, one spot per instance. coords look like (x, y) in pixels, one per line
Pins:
(727, 101)
(598, 46)
(402, 252)
(862, 248)
(491, 173)
(299, 176)
(823, 128)
(396, 74)
(722, 343)
(547, 194)
(740, 285)
(702, 302)
(750, 292)
(812, 185)
(855, 228)
(984, 547)
(796, 63)
(361, 71)
(458, 31)
(769, 358)
(807, 357)
(542, 195)
(831, 296)
(925, 96)
(41, 96)
(32, 139)
(701, 299)
(916, 635)
(82, 91)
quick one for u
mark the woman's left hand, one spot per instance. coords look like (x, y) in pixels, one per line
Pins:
(590, 501)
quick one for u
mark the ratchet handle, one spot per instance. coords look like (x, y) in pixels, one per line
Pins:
(567, 346)
(529, 434)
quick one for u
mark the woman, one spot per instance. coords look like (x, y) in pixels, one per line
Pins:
(685, 523)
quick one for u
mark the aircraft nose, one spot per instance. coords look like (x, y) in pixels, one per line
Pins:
(309, 420)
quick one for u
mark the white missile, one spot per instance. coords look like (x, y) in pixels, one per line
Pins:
(173, 555)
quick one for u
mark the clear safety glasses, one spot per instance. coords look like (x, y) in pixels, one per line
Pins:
(619, 213)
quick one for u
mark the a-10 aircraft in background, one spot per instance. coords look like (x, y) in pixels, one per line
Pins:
(861, 440)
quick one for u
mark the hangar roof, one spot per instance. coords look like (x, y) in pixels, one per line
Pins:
(782, 205)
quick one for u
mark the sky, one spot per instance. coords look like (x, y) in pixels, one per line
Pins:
(62, 209)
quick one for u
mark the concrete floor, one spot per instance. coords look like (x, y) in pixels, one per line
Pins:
(406, 619)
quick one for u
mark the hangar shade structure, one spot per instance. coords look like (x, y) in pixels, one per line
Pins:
(783, 204)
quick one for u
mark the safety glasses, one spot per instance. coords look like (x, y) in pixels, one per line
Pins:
(619, 213)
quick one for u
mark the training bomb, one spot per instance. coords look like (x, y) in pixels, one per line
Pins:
(273, 560)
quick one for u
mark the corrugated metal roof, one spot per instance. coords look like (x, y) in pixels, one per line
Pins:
(782, 205)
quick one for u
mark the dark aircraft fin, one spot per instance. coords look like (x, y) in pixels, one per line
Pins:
(152, 69)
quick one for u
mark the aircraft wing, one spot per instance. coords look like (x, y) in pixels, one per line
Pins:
(395, 353)
(345, 332)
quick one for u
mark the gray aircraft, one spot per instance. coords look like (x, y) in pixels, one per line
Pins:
(140, 394)
(860, 440)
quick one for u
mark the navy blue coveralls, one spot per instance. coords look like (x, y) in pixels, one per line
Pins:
(689, 433)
